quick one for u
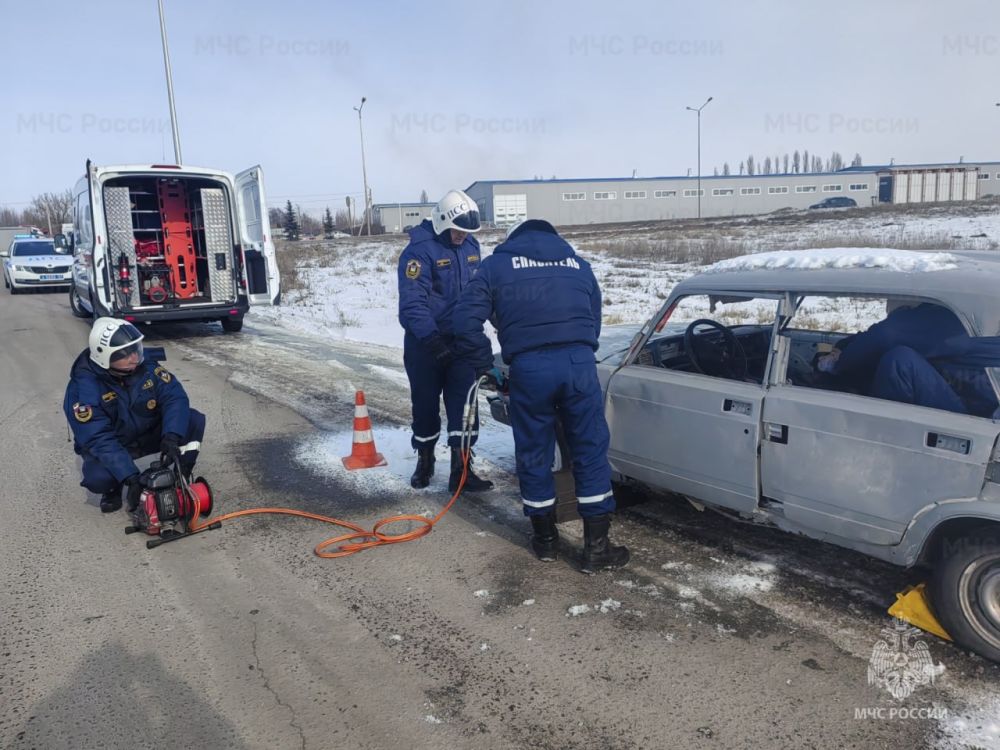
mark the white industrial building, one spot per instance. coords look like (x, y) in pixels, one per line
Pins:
(607, 200)
(398, 217)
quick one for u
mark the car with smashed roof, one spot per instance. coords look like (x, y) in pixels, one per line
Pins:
(727, 396)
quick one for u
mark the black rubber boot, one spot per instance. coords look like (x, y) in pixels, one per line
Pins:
(598, 552)
(425, 468)
(545, 539)
(472, 482)
(111, 501)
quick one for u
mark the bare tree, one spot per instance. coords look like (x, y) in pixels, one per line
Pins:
(767, 165)
(784, 167)
(856, 161)
(742, 167)
(750, 164)
(795, 161)
(276, 217)
(49, 210)
(715, 172)
(423, 197)
(725, 168)
(9, 217)
(806, 164)
(342, 220)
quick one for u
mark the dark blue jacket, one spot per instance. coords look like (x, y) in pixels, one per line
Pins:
(935, 333)
(432, 274)
(538, 292)
(109, 415)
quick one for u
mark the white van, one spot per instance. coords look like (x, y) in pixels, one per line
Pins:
(165, 242)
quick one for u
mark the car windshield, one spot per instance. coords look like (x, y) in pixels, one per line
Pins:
(22, 249)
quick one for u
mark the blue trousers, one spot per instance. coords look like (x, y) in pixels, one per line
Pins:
(560, 382)
(428, 381)
(904, 375)
(99, 480)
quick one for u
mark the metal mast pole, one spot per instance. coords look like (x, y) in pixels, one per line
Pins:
(364, 170)
(170, 86)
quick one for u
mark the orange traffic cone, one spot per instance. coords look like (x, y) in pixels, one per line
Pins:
(363, 455)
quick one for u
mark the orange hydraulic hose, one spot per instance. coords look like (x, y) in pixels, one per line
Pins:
(343, 545)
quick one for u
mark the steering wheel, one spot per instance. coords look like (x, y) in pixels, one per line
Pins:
(724, 358)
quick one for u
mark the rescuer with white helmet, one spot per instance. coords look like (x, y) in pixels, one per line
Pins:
(122, 404)
(440, 260)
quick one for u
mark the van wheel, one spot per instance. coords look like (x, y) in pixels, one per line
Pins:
(965, 593)
(232, 325)
(74, 304)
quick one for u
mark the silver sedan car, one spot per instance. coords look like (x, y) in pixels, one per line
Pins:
(846, 395)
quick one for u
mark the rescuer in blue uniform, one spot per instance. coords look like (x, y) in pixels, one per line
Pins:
(120, 406)
(920, 354)
(546, 305)
(439, 262)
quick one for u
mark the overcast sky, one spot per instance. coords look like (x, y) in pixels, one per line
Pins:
(465, 91)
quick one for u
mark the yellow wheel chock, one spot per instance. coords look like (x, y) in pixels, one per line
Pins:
(911, 606)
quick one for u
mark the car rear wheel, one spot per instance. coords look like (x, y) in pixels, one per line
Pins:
(965, 593)
(74, 304)
(232, 325)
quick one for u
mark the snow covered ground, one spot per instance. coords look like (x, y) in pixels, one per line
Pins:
(346, 288)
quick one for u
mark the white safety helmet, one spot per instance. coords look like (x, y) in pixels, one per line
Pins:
(111, 340)
(456, 211)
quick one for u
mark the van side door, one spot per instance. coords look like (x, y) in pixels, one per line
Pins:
(260, 267)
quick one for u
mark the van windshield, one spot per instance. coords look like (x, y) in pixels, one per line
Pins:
(36, 247)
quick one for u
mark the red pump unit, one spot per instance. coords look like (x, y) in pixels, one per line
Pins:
(169, 501)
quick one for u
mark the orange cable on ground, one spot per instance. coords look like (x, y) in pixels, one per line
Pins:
(375, 537)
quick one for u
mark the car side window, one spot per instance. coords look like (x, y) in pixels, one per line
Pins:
(897, 349)
(721, 336)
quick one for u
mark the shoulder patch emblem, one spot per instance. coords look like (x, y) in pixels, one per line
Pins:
(413, 269)
(151, 404)
(82, 412)
(473, 259)
(109, 397)
(162, 374)
(443, 262)
(148, 384)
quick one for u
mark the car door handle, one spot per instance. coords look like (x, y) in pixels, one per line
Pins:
(948, 443)
(737, 407)
(776, 433)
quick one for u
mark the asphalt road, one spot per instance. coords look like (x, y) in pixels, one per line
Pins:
(717, 636)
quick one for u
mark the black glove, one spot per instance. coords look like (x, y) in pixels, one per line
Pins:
(438, 349)
(170, 445)
(131, 489)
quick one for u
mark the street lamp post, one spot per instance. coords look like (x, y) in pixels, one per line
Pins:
(698, 112)
(364, 170)
(170, 85)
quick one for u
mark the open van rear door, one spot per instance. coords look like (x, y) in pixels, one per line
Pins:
(260, 268)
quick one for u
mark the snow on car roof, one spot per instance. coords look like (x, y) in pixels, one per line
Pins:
(905, 261)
